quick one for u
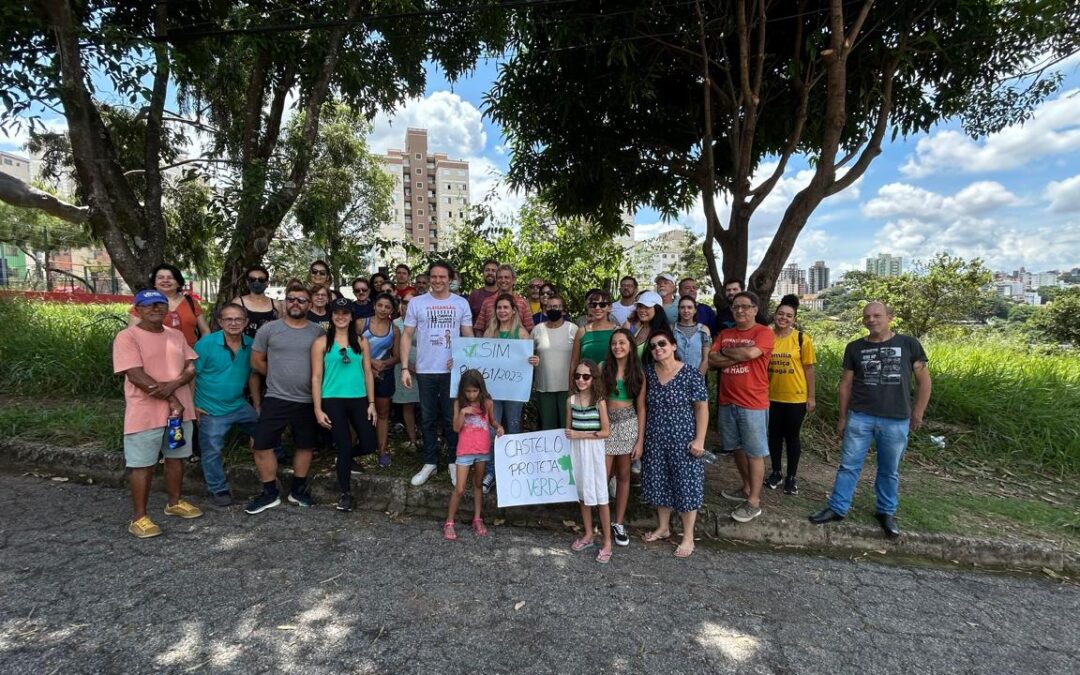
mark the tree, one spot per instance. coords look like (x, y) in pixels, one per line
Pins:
(1058, 319)
(234, 66)
(39, 236)
(663, 103)
(945, 290)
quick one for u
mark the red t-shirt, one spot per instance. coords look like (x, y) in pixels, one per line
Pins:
(402, 292)
(746, 384)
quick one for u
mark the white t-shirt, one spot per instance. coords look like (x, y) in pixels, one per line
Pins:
(622, 312)
(437, 323)
(554, 347)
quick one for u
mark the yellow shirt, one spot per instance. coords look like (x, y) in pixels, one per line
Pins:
(787, 380)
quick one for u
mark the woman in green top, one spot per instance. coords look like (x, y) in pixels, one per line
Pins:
(506, 326)
(624, 382)
(341, 382)
(591, 342)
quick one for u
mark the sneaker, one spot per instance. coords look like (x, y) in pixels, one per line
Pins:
(635, 467)
(422, 476)
(774, 480)
(384, 460)
(487, 483)
(357, 466)
(733, 495)
(261, 502)
(452, 469)
(791, 485)
(618, 533)
(144, 528)
(222, 499)
(301, 498)
(345, 502)
(399, 428)
(745, 513)
(183, 509)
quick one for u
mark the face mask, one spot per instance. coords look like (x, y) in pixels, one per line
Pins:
(257, 287)
(553, 314)
(454, 286)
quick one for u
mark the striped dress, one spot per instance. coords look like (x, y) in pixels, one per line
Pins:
(587, 455)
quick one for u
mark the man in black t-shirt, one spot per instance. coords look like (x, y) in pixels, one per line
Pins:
(875, 405)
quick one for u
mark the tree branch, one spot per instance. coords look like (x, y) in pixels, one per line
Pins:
(17, 193)
(191, 160)
(873, 146)
(154, 124)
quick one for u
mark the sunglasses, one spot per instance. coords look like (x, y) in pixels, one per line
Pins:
(359, 291)
(601, 305)
(253, 280)
(319, 273)
(658, 344)
(344, 356)
(298, 301)
(582, 376)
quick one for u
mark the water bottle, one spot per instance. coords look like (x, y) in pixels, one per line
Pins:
(707, 457)
(175, 431)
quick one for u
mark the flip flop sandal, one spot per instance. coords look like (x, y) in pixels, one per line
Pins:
(680, 552)
(582, 544)
(479, 528)
(651, 537)
(603, 557)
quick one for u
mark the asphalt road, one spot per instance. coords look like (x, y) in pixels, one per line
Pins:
(316, 591)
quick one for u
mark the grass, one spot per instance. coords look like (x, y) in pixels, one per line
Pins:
(96, 423)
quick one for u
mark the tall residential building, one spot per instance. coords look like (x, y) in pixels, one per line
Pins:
(431, 193)
(792, 281)
(817, 278)
(885, 265)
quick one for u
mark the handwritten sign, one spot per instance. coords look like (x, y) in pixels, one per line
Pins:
(503, 363)
(534, 468)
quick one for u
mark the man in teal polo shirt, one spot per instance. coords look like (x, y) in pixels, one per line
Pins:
(221, 371)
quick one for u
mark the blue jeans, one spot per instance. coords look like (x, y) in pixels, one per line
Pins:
(890, 437)
(435, 403)
(212, 430)
(508, 414)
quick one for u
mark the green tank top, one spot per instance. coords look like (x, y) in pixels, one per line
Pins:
(594, 344)
(620, 393)
(505, 335)
(340, 379)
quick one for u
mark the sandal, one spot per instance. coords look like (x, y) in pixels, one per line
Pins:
(448, 531)
(650, 537)
(603, 557)
(582, 544)
(479, 528)
(683, 552)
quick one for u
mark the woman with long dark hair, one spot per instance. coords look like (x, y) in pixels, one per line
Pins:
(382, 336)
(341, 388)
(624, 382)
(648, 318)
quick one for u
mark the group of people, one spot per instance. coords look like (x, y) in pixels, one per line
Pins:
(627, 381)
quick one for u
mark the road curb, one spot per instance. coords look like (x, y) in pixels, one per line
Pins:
(394, 494)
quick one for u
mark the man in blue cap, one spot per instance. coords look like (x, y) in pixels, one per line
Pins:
(158, 366)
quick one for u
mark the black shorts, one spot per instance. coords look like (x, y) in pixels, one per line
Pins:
(385, 385)
(276, 414)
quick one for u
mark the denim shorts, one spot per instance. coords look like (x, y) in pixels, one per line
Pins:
(142, 448)
(745, 429)
(469, 460)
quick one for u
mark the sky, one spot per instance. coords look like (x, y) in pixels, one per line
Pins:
(1012, 199)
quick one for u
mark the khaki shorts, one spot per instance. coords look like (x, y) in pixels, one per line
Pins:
(142, 448)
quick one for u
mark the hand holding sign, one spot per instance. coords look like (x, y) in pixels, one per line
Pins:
(534, 468)
(503, 363)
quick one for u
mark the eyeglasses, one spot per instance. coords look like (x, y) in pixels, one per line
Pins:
(546, 293)
(600, 305)
(344, 356)
(319, 273)
(298, 301)
(359, 291)
(255, 280)
(659, 344)
(232, 319)
(582, 376)
(741, 308)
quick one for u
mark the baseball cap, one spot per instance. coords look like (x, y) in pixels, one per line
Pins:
(650, 298)
(149, 296)
(666, 277)
(341, 304)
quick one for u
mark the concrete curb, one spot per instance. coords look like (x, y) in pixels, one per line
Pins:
(393, 494)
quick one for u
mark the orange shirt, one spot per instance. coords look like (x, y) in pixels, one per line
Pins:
(746, 384)
(162, 356)
(183, 319)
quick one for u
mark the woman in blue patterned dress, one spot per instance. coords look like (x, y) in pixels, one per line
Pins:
(676, 418)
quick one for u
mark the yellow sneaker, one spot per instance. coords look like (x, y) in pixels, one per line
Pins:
(183, 509)
(143, 528)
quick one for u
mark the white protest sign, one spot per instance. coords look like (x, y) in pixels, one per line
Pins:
(534, 468)
(503, 363)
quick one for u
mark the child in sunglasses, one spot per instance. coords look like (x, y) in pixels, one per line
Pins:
(587, 427)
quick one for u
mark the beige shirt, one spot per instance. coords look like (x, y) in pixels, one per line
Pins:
(553, 346)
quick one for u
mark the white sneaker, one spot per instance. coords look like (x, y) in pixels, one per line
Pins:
(452, 468)
(421, 477)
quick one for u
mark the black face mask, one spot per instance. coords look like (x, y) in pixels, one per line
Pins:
(257, 287)
(553, 314)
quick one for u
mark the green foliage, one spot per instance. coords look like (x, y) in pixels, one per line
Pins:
(945, 290)
(98, 423)
(1059, 321)
(55, 350)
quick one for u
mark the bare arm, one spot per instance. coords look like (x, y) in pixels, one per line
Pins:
(187, 375)
(844, 397)
(738, 354)
(459, 416)
(701, 426)
(138, 377)
(204, 327)
(255, 387)
(639, 404)
(489, 407)
(575, 355)
(605, 426)
(703, 368)
(369, 379)
(467, 331)
(317, 351)
(258, 362)
(922, 396)
(811, 385)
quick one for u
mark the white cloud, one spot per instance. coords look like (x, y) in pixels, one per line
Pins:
(454, 125)
(1053, 129)
(487, 182)
(13, 140)
(1064, 195)
(902, 199)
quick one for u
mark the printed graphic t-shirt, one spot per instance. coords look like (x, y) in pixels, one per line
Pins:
(437, 322)
(882, 384)
(746, 384)
(787, 379)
